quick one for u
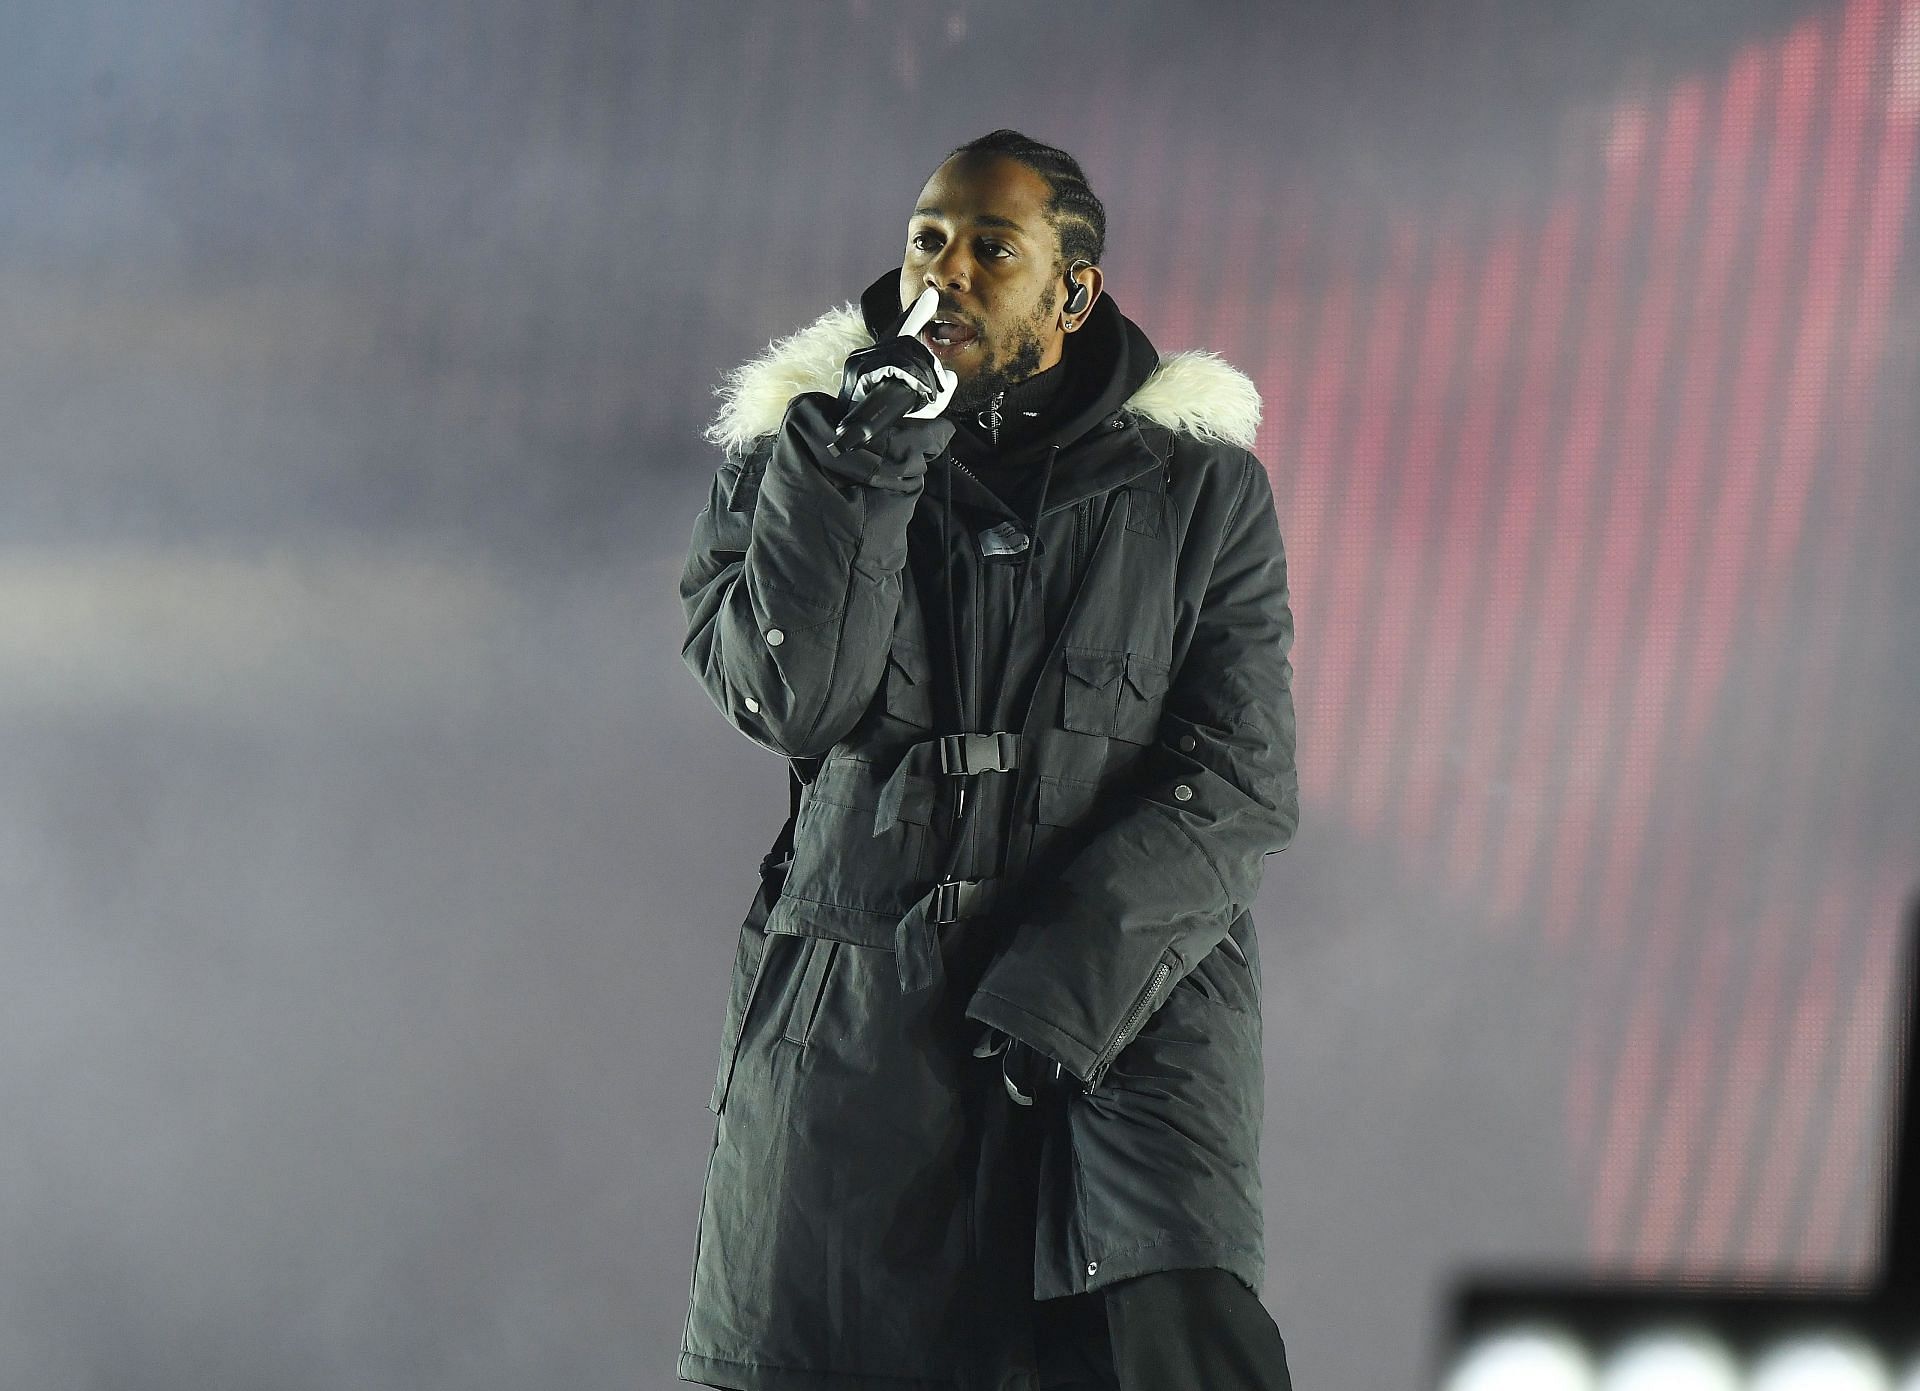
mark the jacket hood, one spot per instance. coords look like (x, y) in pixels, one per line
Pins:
(1111, 364)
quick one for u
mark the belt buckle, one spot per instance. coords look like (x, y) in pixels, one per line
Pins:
(957, 898)
(953, 754)
(964, 755)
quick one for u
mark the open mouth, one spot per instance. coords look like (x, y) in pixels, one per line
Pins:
(948, 337)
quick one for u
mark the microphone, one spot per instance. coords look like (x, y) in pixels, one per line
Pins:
(887, 400)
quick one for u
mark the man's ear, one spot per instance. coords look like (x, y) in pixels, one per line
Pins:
(1089, 279)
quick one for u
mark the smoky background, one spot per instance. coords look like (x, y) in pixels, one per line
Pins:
(370, 865)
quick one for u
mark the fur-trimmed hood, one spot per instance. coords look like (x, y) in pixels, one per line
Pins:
(1195, 392)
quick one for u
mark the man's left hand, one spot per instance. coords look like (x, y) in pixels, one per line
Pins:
(1028, 1073)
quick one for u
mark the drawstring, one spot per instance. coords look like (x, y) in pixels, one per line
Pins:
(946, 575)
(1046, 478)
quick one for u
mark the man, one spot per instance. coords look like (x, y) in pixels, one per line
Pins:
(989, 1097)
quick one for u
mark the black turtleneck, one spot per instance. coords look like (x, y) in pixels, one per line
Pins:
(1025, 412)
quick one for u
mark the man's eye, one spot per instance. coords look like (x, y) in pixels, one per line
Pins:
(917, 237)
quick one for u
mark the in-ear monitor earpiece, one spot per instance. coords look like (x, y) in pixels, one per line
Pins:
(1077, 301)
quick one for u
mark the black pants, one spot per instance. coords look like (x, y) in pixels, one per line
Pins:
(1173, 1330)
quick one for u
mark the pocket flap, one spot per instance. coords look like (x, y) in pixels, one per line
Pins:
(911, 659)
(1094, 665)
(1145, 675)
(1060, 802)
(916, 801)
(909, 683)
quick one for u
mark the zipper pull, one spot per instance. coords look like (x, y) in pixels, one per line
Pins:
(990, 417)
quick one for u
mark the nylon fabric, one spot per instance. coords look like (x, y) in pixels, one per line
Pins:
(877, 1215)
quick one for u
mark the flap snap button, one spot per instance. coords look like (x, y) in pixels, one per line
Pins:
(1182, 791)
(775, 637)
(1188, 743)
(753, 705)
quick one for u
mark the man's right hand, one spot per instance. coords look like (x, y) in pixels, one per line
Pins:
(904, 359)
(896, 459)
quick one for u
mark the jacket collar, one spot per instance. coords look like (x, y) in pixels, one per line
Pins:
(1114, 374)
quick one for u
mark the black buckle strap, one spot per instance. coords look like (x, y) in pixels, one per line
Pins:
(778, 860)
(966, 754)
(960, 898)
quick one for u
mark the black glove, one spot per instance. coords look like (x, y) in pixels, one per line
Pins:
(1029, 1074)
(904, 359)
(896, 459)
(895, 462)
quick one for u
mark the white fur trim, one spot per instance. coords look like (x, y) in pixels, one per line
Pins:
(755, 394)
(1196, 392)
(1202, 394)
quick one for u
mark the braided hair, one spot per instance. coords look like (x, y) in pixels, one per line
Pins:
(1075, 214)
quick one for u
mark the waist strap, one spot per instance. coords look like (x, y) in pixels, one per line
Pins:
(916, 940)
(957, 755)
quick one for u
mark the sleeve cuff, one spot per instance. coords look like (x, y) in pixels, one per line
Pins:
(1032, 1030)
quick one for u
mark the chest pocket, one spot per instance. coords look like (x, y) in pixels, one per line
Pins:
(910, 683)
(1113, 693)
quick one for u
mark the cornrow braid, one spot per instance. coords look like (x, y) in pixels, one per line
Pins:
(1079, 218)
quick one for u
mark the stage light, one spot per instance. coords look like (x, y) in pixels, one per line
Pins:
(1673, 1359)
(1631, 1333)
(1820, 1362)
(1535, 1357)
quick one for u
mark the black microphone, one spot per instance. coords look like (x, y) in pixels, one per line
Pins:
(880, 409)
(889, 399)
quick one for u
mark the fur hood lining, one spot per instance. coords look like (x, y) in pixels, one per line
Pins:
(1194, 392)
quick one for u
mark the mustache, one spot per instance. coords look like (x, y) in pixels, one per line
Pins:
(955, 316)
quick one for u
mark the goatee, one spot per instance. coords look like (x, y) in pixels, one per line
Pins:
(978, 390)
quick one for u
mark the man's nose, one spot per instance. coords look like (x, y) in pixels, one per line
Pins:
(945, 270)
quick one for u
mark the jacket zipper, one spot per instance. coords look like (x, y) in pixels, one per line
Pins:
(976, 601)
(990, 418)
(1107, 1054)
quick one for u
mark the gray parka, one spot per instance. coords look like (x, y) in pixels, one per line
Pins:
(1130, 741)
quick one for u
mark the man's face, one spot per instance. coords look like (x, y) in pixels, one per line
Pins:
(979, 235)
